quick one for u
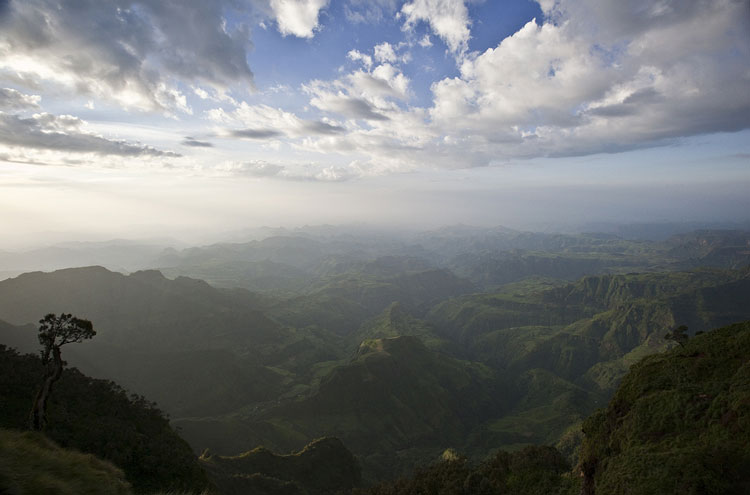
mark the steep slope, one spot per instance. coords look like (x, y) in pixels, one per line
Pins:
(394, 396)
(719, 248)
(590, 331)
(679, 422)
(261, 276)
(323, 467)
(30, 463)
(341, 304)
(396, 321)
(98, 417)
(534, 470)
(143, 310)
(158, 336)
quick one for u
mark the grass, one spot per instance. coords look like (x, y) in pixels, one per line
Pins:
(30, 463)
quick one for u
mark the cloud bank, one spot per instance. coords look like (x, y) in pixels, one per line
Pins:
(586, 77)
(131, 51)
(63, 133)
(594, 76)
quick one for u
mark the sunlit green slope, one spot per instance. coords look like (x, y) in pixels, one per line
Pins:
(679, 422)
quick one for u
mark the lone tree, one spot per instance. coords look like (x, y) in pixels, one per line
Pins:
(678, 335)
(55, 332)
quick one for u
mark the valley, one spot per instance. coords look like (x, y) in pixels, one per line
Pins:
(400, 346)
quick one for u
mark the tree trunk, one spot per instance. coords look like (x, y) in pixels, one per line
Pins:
(38, 416)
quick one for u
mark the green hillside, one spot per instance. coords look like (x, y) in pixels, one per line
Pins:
(391, 355)
(342, 303)
(100, 418)
(32, 464)
(141, 311)
(394, 396)
(678, 423)
(158, 336)
(534, 470)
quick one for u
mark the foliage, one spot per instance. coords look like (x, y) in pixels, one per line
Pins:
(678, 335)
(504, 369)
(534, 470)
(679, 422)
(56, 331)
(98, 417)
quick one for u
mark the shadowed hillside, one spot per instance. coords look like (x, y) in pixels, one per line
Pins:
(98, 417)
(323, 467)
(395, 395)
(156, 335)
(30, 464)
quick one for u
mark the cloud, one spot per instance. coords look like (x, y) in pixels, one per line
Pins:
(63, 133)
(363, 94)
(602, 76)
(257, 168)
(190, 141)
(343, 104)
(254, 133)
(10, 99)
(592, 77)
(322, 128)
(125, 50)
(357, 55)
(298, 17)
(448, 19)
(307, 172)
(384, 53)
(265, 122)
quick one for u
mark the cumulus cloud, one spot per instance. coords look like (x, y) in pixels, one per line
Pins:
(384, 52)
(356, 55)
(298, 17)
(448, 19)
(346, 105)
(603, 76)
(368, 94)
(10, 99)
(127, 50)
(63, 133)
(591, 77)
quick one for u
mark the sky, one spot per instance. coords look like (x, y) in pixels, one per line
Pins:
(131, 118)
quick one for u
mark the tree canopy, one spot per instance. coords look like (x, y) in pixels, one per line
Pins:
(55, 332)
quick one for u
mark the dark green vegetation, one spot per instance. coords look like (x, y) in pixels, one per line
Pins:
(467, 338)
(679, 422)
(54, 333)
(534, 470)
(98, 417)
(323, 467)
(32, 464)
